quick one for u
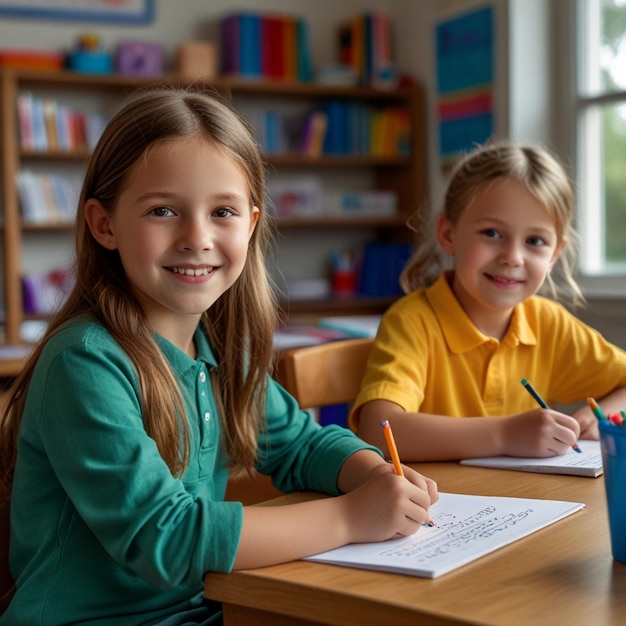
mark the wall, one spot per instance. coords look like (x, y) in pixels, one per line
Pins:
(531, 54)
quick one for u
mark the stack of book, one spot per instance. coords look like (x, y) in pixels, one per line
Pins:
(382, 265)
(48, 125)
(336, 128)
(305, 196)
(45, 293)
(47, 198)
(32, 59)
(265, 46)
(354, 128)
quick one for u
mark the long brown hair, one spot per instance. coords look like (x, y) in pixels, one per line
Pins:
(544, 177)
(239, 325)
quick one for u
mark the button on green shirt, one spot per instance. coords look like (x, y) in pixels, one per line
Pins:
(101, 532)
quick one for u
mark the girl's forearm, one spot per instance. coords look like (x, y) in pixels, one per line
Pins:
(277, 534)
(423, 437)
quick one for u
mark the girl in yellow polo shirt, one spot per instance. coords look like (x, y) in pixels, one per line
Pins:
(462, 339)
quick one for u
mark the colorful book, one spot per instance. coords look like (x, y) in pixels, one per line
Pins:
(229, 45)
(381, 268)
(303, 46)
(273, 61)
(240, 44)
(314, 132)
(290, 49)
(352, 325)
(249, 45)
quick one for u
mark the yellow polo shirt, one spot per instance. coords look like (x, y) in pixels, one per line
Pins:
(429, 357)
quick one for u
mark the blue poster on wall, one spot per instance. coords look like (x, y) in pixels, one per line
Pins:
(465, 75)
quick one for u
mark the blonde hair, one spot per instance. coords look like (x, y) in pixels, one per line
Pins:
(544, 177)
(240, 324)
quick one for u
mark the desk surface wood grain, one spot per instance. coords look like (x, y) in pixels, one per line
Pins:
(562, 574)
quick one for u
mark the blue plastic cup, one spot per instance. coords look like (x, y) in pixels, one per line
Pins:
(613, 445)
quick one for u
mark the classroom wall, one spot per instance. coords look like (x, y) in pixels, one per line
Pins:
(529, 68)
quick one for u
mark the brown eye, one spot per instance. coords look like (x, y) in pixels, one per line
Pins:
(161, 211)
(535, 241)
(224, 212)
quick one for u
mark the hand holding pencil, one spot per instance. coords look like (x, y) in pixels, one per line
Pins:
(395, 457)
(540, 401)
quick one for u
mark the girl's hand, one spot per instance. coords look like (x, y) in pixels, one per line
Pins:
(423, 482)
(588, 426)
(539, 433)
(387, 505)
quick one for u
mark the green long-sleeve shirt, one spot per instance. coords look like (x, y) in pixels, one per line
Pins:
(101, 532)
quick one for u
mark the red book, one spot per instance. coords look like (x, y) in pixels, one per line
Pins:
(272, 47)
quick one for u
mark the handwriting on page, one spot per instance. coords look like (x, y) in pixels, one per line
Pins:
(451, 532)
(466, 528)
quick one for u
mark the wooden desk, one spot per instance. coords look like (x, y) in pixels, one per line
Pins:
(562, 574)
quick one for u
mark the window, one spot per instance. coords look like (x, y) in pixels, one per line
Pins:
(601, 136)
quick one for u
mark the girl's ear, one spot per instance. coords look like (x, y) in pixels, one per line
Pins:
(445, 234)
(99, 223)
(558, 251)
(254, 218)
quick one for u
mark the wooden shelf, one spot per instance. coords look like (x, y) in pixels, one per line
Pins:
(44, 226)
(10, 367)
(300, 160)
(340, 223)
(78, 80)
(12, 359)
(406, 175)
(57, 155)
(338, 306)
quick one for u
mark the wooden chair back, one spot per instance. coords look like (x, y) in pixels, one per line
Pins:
(324, 374)
(316, 376)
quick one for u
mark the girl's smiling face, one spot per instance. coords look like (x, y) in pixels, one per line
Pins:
(181, 227)
(504, 244)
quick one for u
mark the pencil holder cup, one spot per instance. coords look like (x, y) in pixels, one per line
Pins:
(613, 446)
(344, 282)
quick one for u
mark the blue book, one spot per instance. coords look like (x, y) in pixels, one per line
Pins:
(383, 263)
(335, 141)
(334, 414)
(352, 325)
(240, 39)
(250, 45)
(274, 133)
(304, 68)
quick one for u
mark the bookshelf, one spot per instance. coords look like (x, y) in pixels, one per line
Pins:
(404, 174)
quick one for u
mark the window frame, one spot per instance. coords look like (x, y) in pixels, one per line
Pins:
(595, 277)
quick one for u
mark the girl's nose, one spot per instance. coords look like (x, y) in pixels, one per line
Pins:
(196, 235)
(512, 254)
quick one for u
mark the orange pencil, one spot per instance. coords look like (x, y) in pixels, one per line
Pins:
(393, 451)
(395, 457)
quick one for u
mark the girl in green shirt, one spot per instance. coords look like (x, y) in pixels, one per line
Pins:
(151, 387)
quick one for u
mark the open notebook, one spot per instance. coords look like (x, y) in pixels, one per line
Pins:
(466, 528)
(586, 463)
